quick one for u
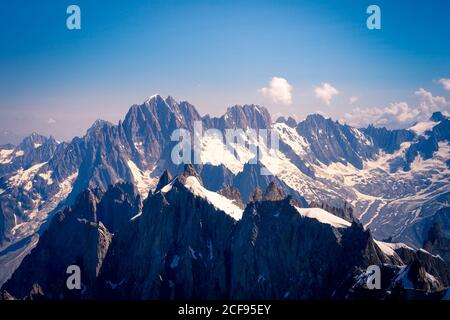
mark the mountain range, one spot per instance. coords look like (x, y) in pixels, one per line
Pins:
(338, 199)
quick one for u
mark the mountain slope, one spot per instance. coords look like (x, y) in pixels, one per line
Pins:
(396, 180)
(192, 243)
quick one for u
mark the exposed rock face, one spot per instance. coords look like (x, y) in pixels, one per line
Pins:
(3, 226)
(417, 275)
(428, 144)
(164, 180)
(289, 121)
(232, 193)
(345, 212)
(118, 205)
(242, 117)
(388, 140)
(215, 177)
(421, 229)
(278, 254)
(251, 178)
(272, 193)
(32, 150)
(321, 160)
(181, 246)
(108, 154)
(138, 150)
(332, 142)
(147, 128)
(422, 280)
(437, 243)
(76, 236)
(177, 249)
(256, 196)
(189, 171)
(6, 296)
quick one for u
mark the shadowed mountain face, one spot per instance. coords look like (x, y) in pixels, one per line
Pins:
(191, 243)
(80, 236)
(438, 242)
(394, 182)
(39, 173)
(242, 117)
(332, 142)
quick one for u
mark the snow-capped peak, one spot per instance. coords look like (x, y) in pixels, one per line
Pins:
(421, 127)
(153, 97)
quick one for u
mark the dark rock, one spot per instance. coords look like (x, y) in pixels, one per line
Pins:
(163, 180)
(289, 121)
(232, 193)
(345, 212)
(256, 196)
(437, 243)
(272, 193)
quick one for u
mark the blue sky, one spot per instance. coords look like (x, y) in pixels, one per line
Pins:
(216, 54)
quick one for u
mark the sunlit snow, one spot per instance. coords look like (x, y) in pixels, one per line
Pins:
(220, 202)
(323, 217)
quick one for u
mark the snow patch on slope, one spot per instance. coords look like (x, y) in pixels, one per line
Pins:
(24, 178)
(215, 152)
(323, 217)
(143, 180)
(291, 137)
(389, 248)
(5, 156)
(218, 201)
(234, 156)
(361, 137)
(168, 186)
(42, 208)
(421, 127)
(382, 197)
(47, 176)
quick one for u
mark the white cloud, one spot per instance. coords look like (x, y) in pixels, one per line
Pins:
(429, 103)
(445, 83)
(279, 91)
(400, 114)
(353, 99)
(391, 116)
(326, 92)
(51, 121)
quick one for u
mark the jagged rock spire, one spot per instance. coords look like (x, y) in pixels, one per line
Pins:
(165, 178)
(232, 193)
(256, 196)
(291, 122)
(345, 212)
(189, 171)
(272, 193)
(86, 205)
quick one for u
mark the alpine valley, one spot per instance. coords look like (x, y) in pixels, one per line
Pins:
(339, 200)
